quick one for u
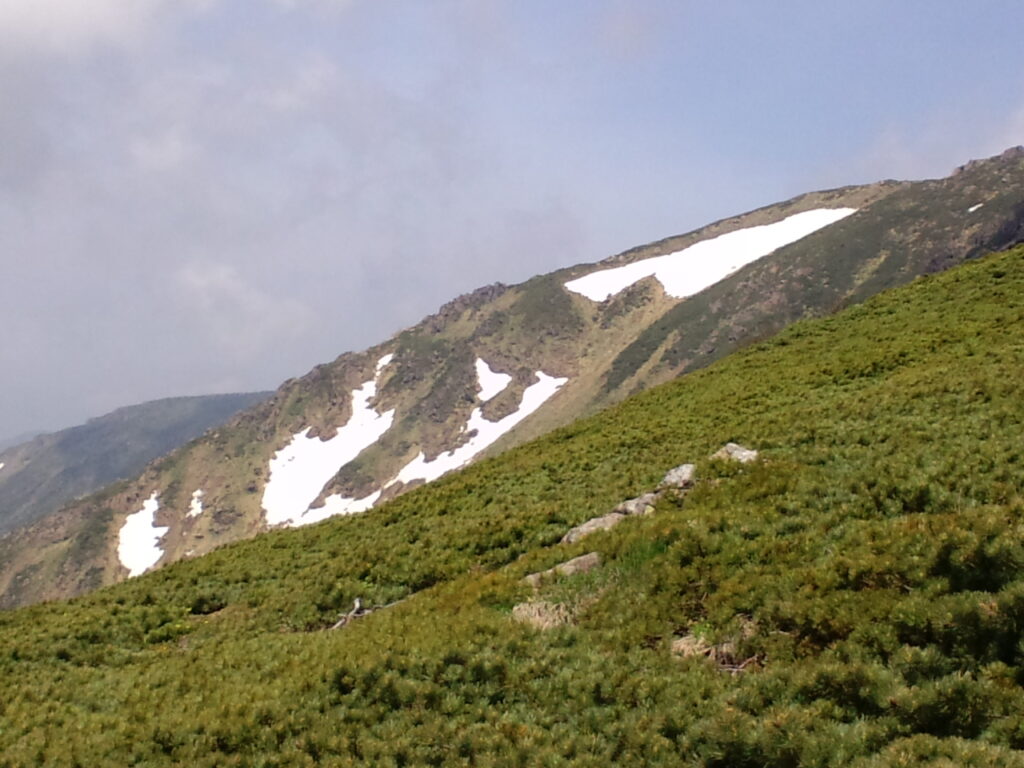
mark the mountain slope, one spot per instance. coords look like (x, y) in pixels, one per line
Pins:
(40, 475)
(372, 425)
(866, 570)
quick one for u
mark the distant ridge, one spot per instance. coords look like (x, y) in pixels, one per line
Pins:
(43, 473)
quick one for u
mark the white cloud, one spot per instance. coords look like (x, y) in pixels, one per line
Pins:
(934, 149)
(64, 25)
(164, 151)
(236, 315)
(304, 86)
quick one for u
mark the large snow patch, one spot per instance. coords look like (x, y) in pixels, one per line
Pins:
(703, 264)
(300, 470)
(138, 546)
(491, 382)
(486, 433)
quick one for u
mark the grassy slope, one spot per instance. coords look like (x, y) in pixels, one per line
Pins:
(876, 551)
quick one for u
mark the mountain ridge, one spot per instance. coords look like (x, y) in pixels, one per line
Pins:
(856, 589)
(531, 332)
(48, 470)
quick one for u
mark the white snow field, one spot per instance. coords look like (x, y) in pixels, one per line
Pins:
(486, 433)
(138, 546)
(972, 209)
(703, 264)
(492, 383)
(2, 465)
(300, 470)
(195, 507)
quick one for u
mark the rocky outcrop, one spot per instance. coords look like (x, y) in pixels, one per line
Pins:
(681, 477)
(581, 564)
(602, 523)
(641, 505)
(735, 452)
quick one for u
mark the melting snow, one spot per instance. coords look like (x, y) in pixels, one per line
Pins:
(138, 546)
(195, 507)
(300, 470)
(486, 433)
(703, 264)
(336, 504)
(492, 383)
(972, 209)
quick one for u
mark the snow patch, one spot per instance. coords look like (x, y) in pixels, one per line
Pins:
(336, 504)
(486, 433)
(2, 465)
(300, 470)
(491, 382)
(703, 264)
(973, 208)
(195, 507)
(138, 546)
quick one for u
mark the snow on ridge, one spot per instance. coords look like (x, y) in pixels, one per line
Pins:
(2, 465)
(195, 507)
(972, 209)
(703, 264)
(491, 382)
(300, 470)
(138, 546)
(487, 432)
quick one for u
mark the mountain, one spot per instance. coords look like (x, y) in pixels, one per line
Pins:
(853, 597)
(40, 475)
(23, 437)
(506, 364)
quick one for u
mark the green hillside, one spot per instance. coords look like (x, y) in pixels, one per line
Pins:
(426, 380)
(860, 588)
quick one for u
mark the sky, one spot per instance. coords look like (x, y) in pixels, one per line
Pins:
(202, 196)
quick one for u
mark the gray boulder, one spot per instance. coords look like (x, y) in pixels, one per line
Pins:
(735, 452)
(641, 505)
(593, 525)
(681, 477)
(581, 564)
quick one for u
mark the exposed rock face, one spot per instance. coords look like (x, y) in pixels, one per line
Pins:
(681, 477)
(735, 452)
(641, 505)
(602, 523)
(581, 564)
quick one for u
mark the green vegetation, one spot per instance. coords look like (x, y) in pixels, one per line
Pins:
(867, 571)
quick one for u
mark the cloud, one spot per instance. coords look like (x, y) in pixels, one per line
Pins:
(164, 151)
(70, 25)
(930, 146)
(240, 318)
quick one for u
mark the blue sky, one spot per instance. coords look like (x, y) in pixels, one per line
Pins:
(215, 195)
